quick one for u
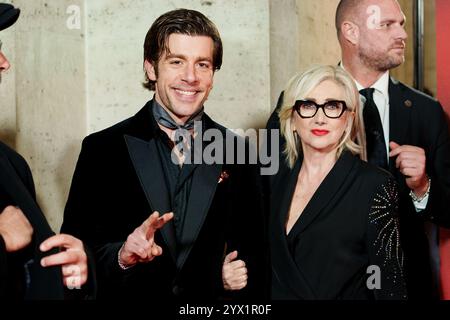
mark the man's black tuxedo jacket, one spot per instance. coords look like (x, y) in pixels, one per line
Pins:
(28, 280)
(119, 181)
(419, 120)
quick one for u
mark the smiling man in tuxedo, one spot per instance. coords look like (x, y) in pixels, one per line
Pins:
(129, 173)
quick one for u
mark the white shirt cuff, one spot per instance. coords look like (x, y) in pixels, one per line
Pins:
(421, 205)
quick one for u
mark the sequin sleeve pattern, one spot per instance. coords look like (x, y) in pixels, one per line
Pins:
(385, 252)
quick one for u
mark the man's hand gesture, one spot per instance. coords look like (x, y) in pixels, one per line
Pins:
(140, 245)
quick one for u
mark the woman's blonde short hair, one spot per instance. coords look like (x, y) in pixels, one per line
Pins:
(299, 87)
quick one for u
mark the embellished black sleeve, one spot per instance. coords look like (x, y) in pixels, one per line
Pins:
(386, 276)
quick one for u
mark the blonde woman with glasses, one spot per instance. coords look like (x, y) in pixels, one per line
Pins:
(333, 226)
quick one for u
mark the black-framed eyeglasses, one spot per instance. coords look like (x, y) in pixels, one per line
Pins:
(333, 109)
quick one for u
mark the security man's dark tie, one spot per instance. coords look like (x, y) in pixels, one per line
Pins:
(376, 146)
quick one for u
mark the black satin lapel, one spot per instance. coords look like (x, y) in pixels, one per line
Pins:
(328, 190)
(44, 283)
(399, 116)
(282, 190)
(204, 185)
(285, 268)
(147, 164)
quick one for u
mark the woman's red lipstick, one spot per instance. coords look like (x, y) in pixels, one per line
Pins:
(318, 132)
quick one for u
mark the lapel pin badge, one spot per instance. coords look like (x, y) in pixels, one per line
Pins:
(408, 103)
(223, 176)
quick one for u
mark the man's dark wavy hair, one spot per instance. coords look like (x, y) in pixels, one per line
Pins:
(180, 21)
